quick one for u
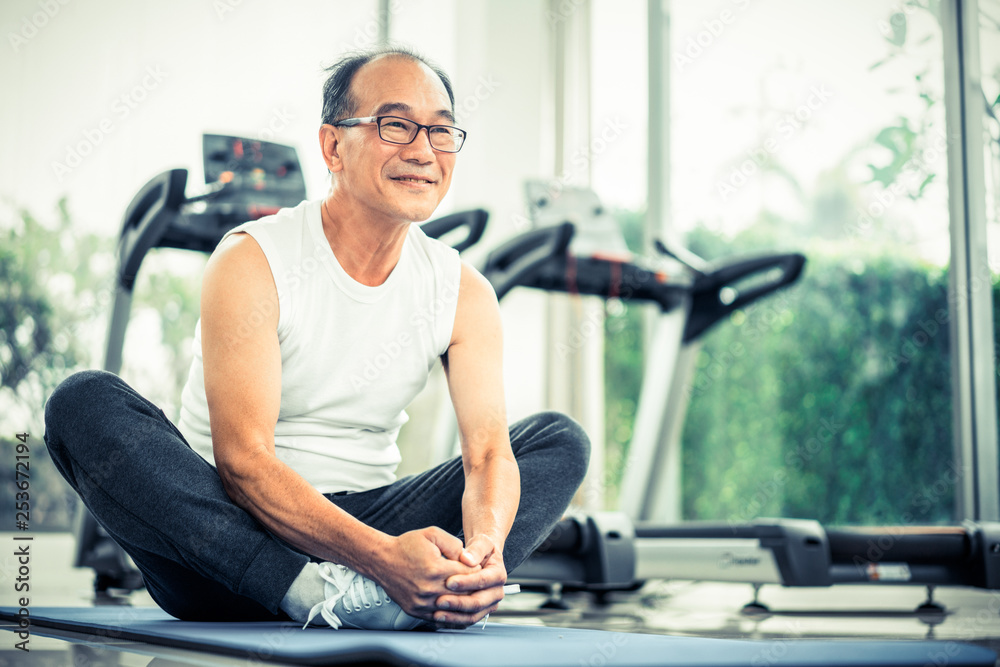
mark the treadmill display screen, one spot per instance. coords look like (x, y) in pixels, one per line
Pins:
(250, 166)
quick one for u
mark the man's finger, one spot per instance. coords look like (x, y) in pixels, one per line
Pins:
(449, 545)
(478, 551)
(451, 619)
(476, 581)
(472, 603)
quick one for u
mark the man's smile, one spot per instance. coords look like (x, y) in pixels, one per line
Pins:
(414, 180)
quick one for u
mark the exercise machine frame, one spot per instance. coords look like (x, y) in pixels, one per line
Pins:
(620, 550)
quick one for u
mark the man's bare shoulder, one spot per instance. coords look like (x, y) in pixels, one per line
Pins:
(237, 258)
(474, 285)
(238, 248)
(478, 312)
(237, 277)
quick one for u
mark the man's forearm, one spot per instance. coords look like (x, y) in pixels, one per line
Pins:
(492, 494)
(292, 509)
(412, 567)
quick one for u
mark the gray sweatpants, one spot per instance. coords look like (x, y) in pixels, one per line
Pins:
(203, 557)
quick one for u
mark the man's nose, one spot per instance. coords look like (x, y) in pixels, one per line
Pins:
(420, 147)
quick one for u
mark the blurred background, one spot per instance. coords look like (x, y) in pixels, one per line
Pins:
(764, 125)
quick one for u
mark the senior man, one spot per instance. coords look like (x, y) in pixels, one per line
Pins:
(275, 496)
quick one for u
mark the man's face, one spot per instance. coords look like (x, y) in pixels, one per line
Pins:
(403, 182)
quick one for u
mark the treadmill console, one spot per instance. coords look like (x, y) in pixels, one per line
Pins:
(245, 179)
(256, 177)
(251, 166)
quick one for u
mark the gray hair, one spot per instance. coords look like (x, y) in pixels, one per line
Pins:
(338, 103)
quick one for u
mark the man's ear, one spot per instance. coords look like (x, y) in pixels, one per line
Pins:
(329, 143)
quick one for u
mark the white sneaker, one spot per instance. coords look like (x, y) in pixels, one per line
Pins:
(354, 601)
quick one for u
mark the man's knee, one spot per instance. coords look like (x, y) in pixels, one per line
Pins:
(75, 394)
(577, 444)
(569, 440)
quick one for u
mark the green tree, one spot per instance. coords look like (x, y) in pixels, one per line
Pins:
(56, 292)
(825, 401)
(52, 283)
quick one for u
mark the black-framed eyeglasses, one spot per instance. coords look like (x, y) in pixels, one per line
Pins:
(396, 130)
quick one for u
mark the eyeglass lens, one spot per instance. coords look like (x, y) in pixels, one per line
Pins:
(403, 131)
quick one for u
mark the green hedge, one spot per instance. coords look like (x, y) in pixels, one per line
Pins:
(830, 400)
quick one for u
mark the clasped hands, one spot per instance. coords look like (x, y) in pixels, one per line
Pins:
(433, 576)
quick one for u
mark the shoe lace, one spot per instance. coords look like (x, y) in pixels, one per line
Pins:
(343, 579)
(359, 591)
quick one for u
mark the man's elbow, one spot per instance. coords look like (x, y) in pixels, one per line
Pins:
(494, 459)
(240, 470)
(234, 483)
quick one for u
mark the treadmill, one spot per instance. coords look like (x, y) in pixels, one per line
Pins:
(246, 179)
(619, 551)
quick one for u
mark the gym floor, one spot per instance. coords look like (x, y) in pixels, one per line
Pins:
(672, 607)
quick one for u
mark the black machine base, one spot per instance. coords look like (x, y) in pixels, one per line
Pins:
(606, 552)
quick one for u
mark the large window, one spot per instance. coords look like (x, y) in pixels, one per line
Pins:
(831, 400)
(989, 44)
(817, 128)
(619, 110)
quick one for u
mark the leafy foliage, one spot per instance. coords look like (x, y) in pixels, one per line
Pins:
(830, 400)
(25, 317)
(56, 291)
(835, 398)
(54, 281)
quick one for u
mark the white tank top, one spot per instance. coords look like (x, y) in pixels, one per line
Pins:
(352, 356)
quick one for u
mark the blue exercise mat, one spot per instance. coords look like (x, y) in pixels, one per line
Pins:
(498, 645)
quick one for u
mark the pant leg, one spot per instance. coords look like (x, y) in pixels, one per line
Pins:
(202, 557)
(555, 451)
(552, 452)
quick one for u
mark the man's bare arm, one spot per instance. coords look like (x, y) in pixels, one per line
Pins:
(474, 368)
(242, 362)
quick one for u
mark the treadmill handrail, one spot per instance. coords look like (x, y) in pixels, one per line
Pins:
(707, 306)
(517, 259)
(146, 218)
(475, 219)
